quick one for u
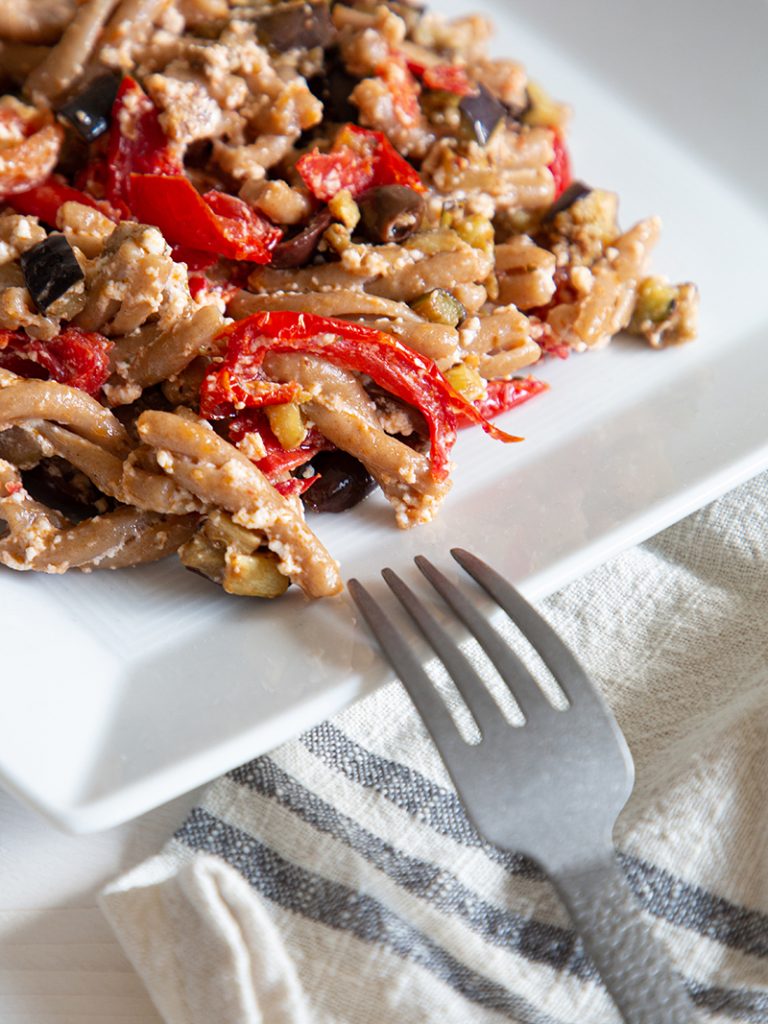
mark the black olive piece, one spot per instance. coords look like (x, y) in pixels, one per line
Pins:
(482, 112)
(50, 269)
(390, 213)
(296, 25)
(575, 191)
(89, 112)
(333, 89)
(299, 250)
(343, 483)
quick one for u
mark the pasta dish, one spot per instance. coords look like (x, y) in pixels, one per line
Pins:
(259, 258)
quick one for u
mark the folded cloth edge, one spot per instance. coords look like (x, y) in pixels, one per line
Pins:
(204, 944)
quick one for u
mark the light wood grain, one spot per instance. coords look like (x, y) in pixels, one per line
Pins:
(59, 960)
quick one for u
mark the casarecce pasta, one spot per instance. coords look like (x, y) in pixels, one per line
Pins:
(258, 258)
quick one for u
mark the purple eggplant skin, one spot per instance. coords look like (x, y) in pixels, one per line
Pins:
(298, 24)
(89, 111)
(343, 483)
(575, 191)
(50, 268)
(299, 250)
(481, 113)
(390, 213)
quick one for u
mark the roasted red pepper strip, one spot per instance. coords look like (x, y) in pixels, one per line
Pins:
(137, 143)
(561, 164)
(214, 223)
(74, 357)
(360, 159)
(195, 259)
(245, 387)
(92, 178)
(251, 233)
(445, 77)
(240, 383)
(44, 201)
(277, 462)
(503, 395)
(392, 365)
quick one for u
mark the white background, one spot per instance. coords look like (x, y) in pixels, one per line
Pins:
(59, 960)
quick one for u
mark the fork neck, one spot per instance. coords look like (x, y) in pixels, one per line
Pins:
(575, 850)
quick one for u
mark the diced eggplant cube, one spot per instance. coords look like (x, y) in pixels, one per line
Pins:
(482, 112)
(575, 191)
(89, 112)
(296, 25)
(50, 268)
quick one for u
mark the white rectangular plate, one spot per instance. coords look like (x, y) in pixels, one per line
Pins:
(121, 690)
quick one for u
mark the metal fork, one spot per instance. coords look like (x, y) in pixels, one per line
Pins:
(551, 788)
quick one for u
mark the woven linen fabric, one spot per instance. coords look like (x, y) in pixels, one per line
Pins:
(338, 881)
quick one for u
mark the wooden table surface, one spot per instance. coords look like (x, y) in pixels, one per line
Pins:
(59, 960)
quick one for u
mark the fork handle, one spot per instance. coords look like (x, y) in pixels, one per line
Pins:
(633, 966)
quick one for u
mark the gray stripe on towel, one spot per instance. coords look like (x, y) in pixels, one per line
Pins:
(538, 942)
(340, 907)
(682, 904)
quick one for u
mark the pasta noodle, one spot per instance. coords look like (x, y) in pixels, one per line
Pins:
(257, 259)
(40, 540)
(67, 60)
(206, 465)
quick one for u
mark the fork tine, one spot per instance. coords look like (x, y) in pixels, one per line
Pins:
(421, 690)
(553, 652)
(521, 683)
(477, 697)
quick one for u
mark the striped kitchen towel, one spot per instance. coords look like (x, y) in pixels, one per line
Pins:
(338, 880)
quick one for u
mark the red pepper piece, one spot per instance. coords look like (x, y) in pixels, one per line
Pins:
(195, 259)
(445, 77)
(239, 382)
(546, 338)
(277, 462)
(561, 165)
(200, 285)
(137, 143)
(325, 174)
(92, 178)
(44, 200)
(214, 223)
(408, 375)
(244, 387)
(250, 232)
(74, 357)
(503, 395)
(360, 159)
